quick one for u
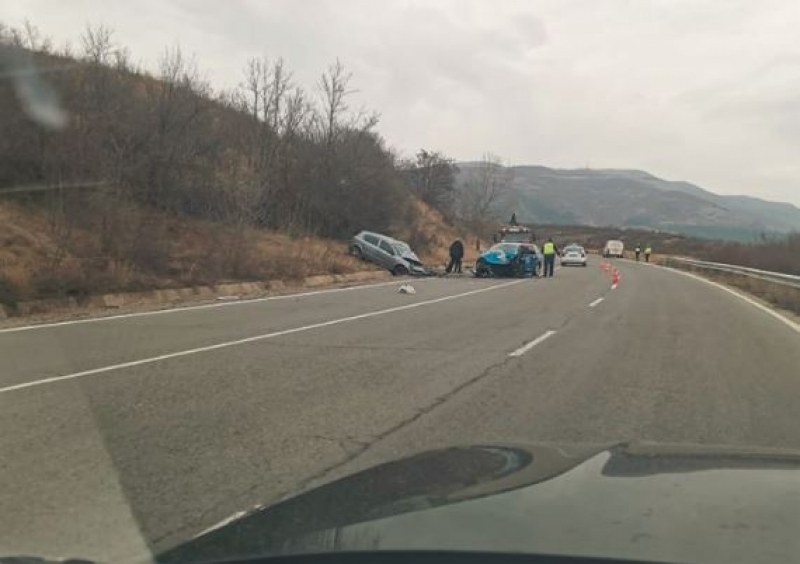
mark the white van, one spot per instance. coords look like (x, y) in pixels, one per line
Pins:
(613, 249)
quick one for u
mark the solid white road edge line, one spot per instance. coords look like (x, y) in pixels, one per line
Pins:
(252, 339)
(202, 306)
(597, 301)
(525, 348)
(786, 321)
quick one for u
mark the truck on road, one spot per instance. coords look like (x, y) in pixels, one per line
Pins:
(613, 248)
(514, 234)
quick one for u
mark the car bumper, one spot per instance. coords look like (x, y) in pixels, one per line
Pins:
(420, 271)
(573, 261)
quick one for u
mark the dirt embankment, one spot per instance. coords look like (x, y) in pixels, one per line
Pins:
(431, 235)
(42, 259)
(45, 265)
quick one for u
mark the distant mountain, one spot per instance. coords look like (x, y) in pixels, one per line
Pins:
(635, 198)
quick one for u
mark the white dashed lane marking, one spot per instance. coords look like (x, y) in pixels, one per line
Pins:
(528, 346)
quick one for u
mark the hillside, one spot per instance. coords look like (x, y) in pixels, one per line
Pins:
(638, 199)
(37, 262)
(113, 178)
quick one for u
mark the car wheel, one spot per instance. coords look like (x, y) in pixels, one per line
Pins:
(400, 270)
(356, 251)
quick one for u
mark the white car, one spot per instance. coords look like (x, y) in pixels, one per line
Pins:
(573, 255)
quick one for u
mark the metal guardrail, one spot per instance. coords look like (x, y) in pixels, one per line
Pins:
(775, 277)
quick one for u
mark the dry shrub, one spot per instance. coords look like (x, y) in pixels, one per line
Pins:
(9, 293)
(778, 255)
(146, 250)
(427, 232)
(66, 279)
(785, 297)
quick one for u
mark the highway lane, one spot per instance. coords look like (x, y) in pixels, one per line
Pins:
(151, 454)
(37, 352)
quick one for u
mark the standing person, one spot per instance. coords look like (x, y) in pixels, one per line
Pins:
(549, 251)
(638, 252)
(456, 255)
(647, 252)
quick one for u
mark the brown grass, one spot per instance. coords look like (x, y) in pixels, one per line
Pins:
(430, 235)
(38, 262)
(784, 297)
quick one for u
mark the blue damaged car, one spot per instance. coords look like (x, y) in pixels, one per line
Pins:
(510, 260)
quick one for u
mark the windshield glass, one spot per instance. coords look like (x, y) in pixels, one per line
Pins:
(251, 248)
(402, 248)
(506, 248)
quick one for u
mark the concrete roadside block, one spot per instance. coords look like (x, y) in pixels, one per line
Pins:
(142, 298)
(276, 286)
(367, 275)
(253, 287)
(317, 281)
(177, 295)
(47, 305)
(95, 302)
(187, 293)
(113, 300)
(231, 289)
(167, 296)
(202, 292)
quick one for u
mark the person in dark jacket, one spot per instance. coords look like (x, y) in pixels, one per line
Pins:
(456, 254)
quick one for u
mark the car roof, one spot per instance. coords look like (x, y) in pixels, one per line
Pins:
(517, 243)
(382, 236)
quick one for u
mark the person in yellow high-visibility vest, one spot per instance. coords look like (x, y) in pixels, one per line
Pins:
(549, 250)
(647, 252)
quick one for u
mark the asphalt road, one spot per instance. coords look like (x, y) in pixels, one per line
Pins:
(135, 433)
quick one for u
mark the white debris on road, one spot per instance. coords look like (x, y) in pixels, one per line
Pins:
(406, 289)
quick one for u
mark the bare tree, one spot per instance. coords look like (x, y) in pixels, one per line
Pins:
(334, 89)
(98, 45)
(432, 177)
(484, 195)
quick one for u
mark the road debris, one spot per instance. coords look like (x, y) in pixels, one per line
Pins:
(406, 289)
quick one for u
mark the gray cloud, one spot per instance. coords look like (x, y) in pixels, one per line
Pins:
(703, 90)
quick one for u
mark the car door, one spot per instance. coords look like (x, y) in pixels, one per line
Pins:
(386, 254)
(371, 250)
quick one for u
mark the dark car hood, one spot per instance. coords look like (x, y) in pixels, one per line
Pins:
(649, 502)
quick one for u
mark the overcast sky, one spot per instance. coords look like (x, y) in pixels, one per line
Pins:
(699, 90)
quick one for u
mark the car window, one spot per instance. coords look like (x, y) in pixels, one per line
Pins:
(402, 248)
(371, 239)
(387, 247)
(505, 247)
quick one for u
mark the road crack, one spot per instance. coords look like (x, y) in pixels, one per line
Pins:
(352, 447)
(363, 446)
